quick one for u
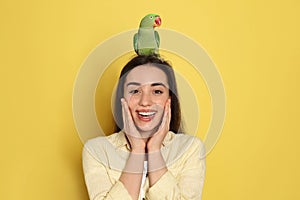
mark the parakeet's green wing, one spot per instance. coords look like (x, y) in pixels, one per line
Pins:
(135, 42)
(157, 38)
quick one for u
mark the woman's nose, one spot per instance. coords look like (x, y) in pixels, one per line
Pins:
(145, 99)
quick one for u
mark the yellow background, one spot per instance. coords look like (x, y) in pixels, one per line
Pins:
(255, 45)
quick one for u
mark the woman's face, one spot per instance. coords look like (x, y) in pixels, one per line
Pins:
(146, 91)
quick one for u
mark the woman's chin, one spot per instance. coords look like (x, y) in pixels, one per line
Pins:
(147, 132)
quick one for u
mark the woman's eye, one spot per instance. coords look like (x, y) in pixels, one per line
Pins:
(133, 91)
(158, 92)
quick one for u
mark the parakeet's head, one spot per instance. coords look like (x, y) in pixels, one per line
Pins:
(151, 21)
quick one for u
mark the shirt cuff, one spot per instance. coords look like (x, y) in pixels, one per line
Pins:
(162, 187)
(118, 191)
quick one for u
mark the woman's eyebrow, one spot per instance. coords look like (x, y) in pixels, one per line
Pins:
(158, 84)
(152, 84)
(133, 83)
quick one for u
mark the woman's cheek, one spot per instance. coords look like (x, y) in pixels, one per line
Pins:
(161, 101)
(129, 98)
(132, 103)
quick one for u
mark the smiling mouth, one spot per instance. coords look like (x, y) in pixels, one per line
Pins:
(146, 115)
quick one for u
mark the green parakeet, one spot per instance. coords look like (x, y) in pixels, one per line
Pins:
(146, 41)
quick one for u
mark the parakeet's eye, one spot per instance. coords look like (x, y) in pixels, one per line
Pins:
(151, 17)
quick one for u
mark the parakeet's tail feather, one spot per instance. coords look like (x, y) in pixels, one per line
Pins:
(135, 43)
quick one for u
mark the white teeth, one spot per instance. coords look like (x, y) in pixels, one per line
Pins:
(146, 113)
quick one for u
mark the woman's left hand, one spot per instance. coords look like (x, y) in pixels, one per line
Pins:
(154, 143)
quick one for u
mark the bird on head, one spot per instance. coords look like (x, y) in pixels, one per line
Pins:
(146, 41)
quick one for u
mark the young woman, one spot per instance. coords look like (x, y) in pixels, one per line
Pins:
(147, 157)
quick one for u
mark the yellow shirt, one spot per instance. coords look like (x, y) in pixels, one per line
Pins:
(105, 157)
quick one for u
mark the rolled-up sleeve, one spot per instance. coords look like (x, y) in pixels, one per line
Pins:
(189, 181)
(98, 181)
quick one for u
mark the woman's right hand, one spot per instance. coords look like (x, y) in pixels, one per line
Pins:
(137, 143)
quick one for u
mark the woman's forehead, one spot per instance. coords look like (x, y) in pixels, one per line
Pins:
(146, 74)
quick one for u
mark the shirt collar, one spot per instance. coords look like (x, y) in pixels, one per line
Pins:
(120, 139)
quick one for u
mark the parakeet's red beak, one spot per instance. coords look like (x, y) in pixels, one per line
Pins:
(157, 22)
